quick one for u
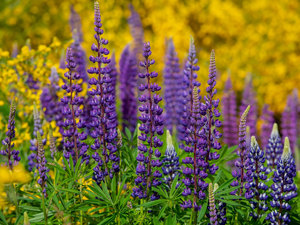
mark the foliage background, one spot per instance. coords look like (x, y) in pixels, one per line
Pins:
(258, 36)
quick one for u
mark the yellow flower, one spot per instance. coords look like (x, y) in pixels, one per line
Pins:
(17, 175)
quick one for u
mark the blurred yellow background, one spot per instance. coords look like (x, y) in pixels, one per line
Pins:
(257, 36)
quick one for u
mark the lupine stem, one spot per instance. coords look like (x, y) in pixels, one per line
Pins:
(44, 209)
(73, 116)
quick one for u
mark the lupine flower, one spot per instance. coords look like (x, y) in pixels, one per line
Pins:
(274, 148)
(113, 75)
(42, 164)
(289, 122)
(136, 30)
(221, 209)
(283, 188)
(212, 206)
(12, 155)
(151, 127)
(256, 177)
(50, 102)
(189, 82)
(52, 143)
(73, 140)
(172, 81)
(128, 82)
(248, 139)
(229, 110)
(267, 118)
(103, 107)
(242, 153)
(75, 23)
(212, 123)
(249, 98)
(33, 142)
(170, 166)
(195, 171)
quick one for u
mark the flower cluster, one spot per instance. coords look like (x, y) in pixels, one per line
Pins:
(42, 164)
(242, 153)
(229, 111)
(283, 188)
(267, 119)
(170, 166)
(256, 177)
(128, 82)
(103, 107)
(73, 140)
(12, 155)
(172, 82)
(152, 123)
(32, 163)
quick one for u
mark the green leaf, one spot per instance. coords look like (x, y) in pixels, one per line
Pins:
(227, 191)
(162, 210)
(153, 203)
(31, 208)
(107, 220)
(262, 219)
(3, 218)
(225, 184)
(19, 219)
(155, 221)
(202, 212)
(233, 203)
(173, 186)
(70, 190)
(218, 177)
(128, 133)
(169, 220)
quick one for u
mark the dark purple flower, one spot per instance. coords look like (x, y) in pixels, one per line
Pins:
(152, 125)
(42, 164)
(229, 111)
(12, 155)
(172, 82)
(128, 82)
(267, 118)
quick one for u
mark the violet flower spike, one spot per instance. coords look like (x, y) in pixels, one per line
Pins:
(52, 143)
(151, 126)
(212, 206)
(267, 118)
(12, 155)
(42, 164)
(283, 189)
(240, 173)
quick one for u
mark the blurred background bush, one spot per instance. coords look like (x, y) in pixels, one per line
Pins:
(258, 36)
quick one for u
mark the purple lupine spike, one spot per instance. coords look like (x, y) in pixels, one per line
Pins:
(283, 189)
(136, 30)
(212, 206)
(188, 83)
(128, 82)
(195, 169)
(289, 122)
(212, 122)
(75, 23)
(242, 153)
(31, 82)
(62, 60)
(220, 209)
(103, 107)
(73, 139)
(256, 179)
(229, 110)
(274, 148)
(172, 81)
(32, 163)
(249, 98)
(171, 164)
(15, 50)
(12, 155)
(52, 144)
(50, 102)
(267, 118)
(42, 164)
(152, 125)
(113, 76)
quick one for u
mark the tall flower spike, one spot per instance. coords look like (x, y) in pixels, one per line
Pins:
(75, 23)
(212, 206)
(195, 170)
(220, 209)
(42, 164)
(151, 126)
(212, 123)
(267, 118)
(73, 140)
(256, 178)
(12, 155)
(229, 110)
(172, 82)
(32, 163)
(188, 83)
(52, 143)
(128, 83)
(242, 153)
(170, 166)
(283, 188)
(103, 107)
(274, 148)
(249, 98)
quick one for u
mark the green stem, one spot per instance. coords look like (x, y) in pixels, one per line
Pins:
(191, 218)
(44, 208)
(14, 197)
(81, 213)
